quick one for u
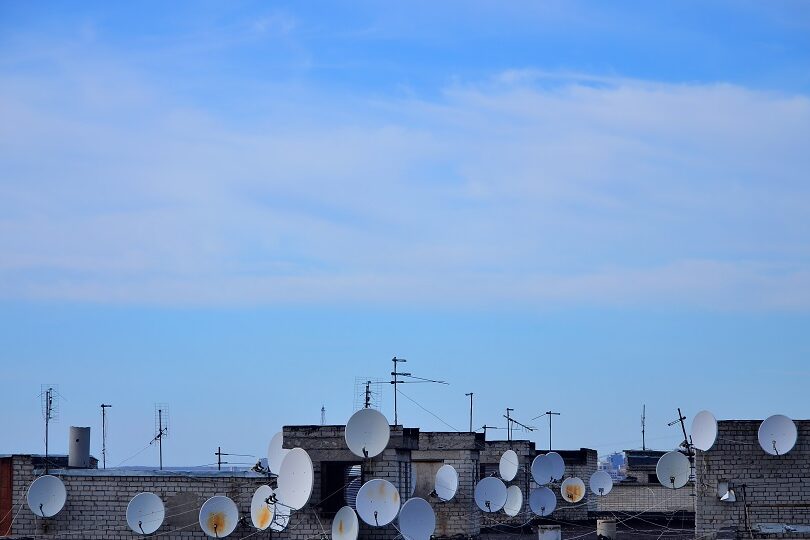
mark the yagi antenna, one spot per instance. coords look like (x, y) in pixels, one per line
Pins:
(412, 380)
(511, 422)
(104, 408)
(49, 395)
(161, 427)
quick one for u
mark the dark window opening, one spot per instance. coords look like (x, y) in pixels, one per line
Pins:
(340, 481)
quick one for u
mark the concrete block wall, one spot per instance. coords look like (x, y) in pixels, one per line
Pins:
(777, 488)
(635, 497)
(97, 501)
(491, 455)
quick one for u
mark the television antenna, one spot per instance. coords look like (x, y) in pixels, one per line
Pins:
(687, 442)
(643, 424)
(161, 427)
(104, 408)
(367, 392)
(511, 422)
(414, 380)
(219, 453)
(49, 395)
(549, 414)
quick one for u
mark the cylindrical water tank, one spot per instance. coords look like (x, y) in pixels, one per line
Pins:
(606, 529)
(79, 448)
(549, 532)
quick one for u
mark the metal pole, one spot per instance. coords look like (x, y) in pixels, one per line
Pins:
(47, 421)
(160, 436)
(104, 434)
(219, 458)
(395, 391)
(471, 410)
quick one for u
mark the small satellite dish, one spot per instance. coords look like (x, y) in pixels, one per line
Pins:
(281, 517)
(704, 430)
(345, 525)
(673, 470)
(417, 521)
(145, 513)
(367, 433)
(446, 482)
(262, 508)
(514, 501)
(601, 483)
(295, 479)
(557, 465)
(276, 452)
(46, 496)
(572, 489)
(542, 501)
(378, 502)
(508, 466)
(490, 494)
(777, 435)
(219, 516)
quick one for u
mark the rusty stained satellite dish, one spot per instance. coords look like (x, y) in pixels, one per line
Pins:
(345, 525)
(378, 502)
(219, 516)
(262, 507)
(572, 489)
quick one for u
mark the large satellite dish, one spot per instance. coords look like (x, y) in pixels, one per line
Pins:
(601, 483)
(673, 470)
(490, 494)
(508, 466)
(145, 513)
(46, 496)
(281, 517)
(572, 489)
(378, 502)
(295, 479)
(367, 433)
(219, 516)
(557, 465)
(276, 452)
(417, 521)
(777, 434)
(514, 501)
(541, 470)
(704, 430)
(345, 525)
(261, 507)
(542, 501)
(446, 482)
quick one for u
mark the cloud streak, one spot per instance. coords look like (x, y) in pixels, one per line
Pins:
(527, 189)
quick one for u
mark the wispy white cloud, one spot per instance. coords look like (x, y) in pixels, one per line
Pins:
(529, 189)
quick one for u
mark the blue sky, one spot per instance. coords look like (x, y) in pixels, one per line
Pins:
(239, 207)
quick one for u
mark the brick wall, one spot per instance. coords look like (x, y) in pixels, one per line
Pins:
(777, 488)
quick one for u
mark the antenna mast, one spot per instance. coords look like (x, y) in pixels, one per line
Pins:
(396, 382)
(50, 412)
(161, 427)
(471, 410)
(643, 422)
(549, 414)
(104, 408)
(323, 415)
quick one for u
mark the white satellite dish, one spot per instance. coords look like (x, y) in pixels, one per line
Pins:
(367, 433)
(46, 496)
(281, 517)
(219, 516)
(378, 502)
(777, 435)
(295, 479)
(490, 494)
(541, 470)
(262, 508)
(417, 521)
(557, 465)
(704, 430)
(276, 452)
(601, 483)
(673, 470)
(446, 482)
(345, 525)
(542, 501)
(572, 489)
(145, 513)
(514, 501)
(508, 466)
